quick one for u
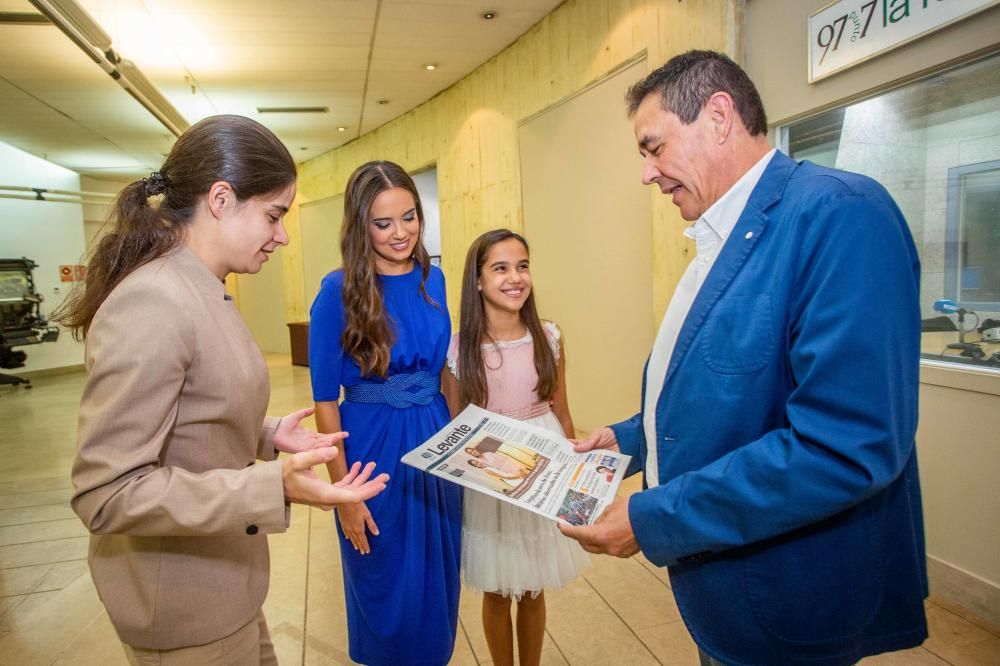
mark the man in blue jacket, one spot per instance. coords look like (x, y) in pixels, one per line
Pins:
(779, 403)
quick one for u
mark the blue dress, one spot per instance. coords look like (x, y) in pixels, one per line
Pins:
(402, 598)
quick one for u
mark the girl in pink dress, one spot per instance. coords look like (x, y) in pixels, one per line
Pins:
(507, 360)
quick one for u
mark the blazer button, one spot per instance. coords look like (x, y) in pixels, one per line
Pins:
(251, 530)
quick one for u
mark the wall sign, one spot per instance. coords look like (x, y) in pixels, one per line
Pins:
(72, 273)
(848, 32)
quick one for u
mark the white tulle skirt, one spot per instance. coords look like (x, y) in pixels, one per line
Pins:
(511, 551)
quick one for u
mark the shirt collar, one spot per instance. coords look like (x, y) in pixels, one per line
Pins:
(722, 216)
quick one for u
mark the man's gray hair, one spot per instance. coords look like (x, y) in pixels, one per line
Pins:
(687, 81)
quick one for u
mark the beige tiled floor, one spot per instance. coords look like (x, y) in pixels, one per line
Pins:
(50, 614)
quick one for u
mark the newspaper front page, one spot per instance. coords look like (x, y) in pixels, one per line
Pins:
(523, 464)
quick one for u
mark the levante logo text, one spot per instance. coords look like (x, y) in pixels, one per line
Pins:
(454, 437)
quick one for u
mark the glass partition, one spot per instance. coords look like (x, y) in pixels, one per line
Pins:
(935, 145)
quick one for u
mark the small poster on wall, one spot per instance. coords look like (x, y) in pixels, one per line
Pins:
(72, 273)
(848, 32)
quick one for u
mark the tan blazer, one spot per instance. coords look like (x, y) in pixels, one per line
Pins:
(171, 421)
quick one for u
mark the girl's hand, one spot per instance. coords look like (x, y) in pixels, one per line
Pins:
(602, 438)
(291, 437)
(354, 518)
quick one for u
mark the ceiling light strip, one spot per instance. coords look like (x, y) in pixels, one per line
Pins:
(74, 21)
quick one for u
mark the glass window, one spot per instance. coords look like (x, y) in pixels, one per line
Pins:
(935, 145)
(972, 255)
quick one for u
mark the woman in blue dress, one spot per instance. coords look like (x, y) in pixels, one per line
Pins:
(380, 328)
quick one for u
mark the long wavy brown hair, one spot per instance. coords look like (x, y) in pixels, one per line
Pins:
(234, 149)
(474, 329)
(368, 334)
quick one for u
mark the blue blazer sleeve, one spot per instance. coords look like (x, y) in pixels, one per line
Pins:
(629, 434)
(853, 348)
(326, 324)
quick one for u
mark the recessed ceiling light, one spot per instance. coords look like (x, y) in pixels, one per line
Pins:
(383, 102)
(303, 147)
(341, 129)
(489, 15)
(430, 66)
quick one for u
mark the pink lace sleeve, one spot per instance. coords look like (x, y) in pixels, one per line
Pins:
(553, 334)
(452, 357)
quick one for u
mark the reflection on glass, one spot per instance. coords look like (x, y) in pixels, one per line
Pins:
(935, 145)
(972, 259)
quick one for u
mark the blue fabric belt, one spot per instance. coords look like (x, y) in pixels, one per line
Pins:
(399, 391)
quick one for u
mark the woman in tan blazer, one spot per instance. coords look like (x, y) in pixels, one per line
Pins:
(173, 414)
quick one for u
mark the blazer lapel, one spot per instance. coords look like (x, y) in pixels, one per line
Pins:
(745, 236)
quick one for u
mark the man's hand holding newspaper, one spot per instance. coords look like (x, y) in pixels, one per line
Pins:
(523, 464)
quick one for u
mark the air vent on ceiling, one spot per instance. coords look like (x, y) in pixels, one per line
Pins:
(293, 109)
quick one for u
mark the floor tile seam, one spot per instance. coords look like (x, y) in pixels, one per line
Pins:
(34, 492)
(22, 566)
(36, 590)
(10, 611)
(973, 622)
(68, 486)
(950, 663)
(78, 635)
(35, 506)
(468, 641)
(37, 522)
(25, 543)
(38, 587)
(41, 580)
(79, 536)
(664, 583)
(655, 577)
(554, 642)
(19, 594)
(626, 624)
(305, 600)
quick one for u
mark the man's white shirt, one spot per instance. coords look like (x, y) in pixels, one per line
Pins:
(710, 233)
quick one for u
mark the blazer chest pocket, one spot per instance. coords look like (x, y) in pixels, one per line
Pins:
(738, 335)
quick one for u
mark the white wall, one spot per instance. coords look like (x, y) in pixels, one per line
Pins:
(262, 304)
(571, 212)
(95, 215)
(427, 188)
(50, 234)
(319, 225)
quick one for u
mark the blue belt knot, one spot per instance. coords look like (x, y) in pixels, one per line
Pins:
(399, 391)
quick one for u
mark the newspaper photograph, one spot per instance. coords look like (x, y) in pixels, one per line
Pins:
(525, 465)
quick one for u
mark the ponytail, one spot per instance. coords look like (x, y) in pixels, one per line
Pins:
(139, 235)
(234, 149)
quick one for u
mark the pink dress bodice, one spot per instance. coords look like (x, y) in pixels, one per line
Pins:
(510, 373)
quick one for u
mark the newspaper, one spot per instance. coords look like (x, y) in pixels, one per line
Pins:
(523, 464)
